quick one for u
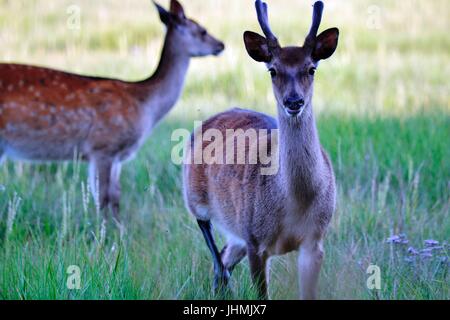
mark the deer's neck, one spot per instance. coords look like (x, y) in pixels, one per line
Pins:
(160, 92)
(301, 159)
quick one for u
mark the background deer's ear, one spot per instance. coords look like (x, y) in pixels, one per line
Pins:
(164, 15)
(177, 9)
(257, 47)
(326, 44)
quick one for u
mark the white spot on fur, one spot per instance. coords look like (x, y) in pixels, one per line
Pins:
(12, 105)
(117, 120)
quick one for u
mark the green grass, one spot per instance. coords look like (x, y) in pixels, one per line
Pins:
(383, 113)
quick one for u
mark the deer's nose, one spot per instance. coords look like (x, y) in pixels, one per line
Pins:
(294, 103)
(219, 48)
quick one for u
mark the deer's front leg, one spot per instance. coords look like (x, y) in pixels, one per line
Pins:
(258, 263)
(309, 264)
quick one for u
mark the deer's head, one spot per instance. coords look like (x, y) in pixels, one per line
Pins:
(291, 68)
(190, 36)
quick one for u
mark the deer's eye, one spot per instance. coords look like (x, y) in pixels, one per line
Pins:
(203, 33)
(273, 72)
(312, 71)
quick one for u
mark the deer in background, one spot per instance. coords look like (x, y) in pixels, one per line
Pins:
(49, 115)
(266, 215)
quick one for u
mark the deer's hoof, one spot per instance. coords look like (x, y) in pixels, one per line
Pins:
(221, 280)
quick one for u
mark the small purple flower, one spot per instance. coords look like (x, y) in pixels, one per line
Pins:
(426, 253)
(431, 243)
(392, 238)
(398, 239)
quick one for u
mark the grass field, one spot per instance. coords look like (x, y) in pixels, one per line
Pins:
(383, 111)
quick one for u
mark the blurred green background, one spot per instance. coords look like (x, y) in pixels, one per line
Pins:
(383, 111)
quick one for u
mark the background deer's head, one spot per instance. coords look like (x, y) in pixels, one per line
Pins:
(190, 37)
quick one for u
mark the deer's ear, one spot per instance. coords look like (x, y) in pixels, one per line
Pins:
(177, 9)
(164, 15)
(326, 44)
(257, 47)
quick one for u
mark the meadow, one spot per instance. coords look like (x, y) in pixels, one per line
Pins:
(383, 112)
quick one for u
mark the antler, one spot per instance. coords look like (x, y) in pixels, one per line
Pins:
(263, 19)
(317, 17)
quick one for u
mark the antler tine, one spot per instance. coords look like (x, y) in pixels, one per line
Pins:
(263, 19)
(317, 17)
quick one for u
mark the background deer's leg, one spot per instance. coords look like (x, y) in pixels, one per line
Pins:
(232, 254)
(93, 179)
(100, 180)
(221, 274)
(258, 262)
(114, 190)
(309, 263)
(2, 155)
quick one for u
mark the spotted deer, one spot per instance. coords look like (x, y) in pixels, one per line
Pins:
(49, 115)
(267, 215)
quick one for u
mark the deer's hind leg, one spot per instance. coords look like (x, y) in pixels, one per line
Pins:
(100, 172)
(114, 190)
(221, 274)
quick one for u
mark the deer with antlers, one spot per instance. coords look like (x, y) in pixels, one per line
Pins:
(266, 215)
(49, 115)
